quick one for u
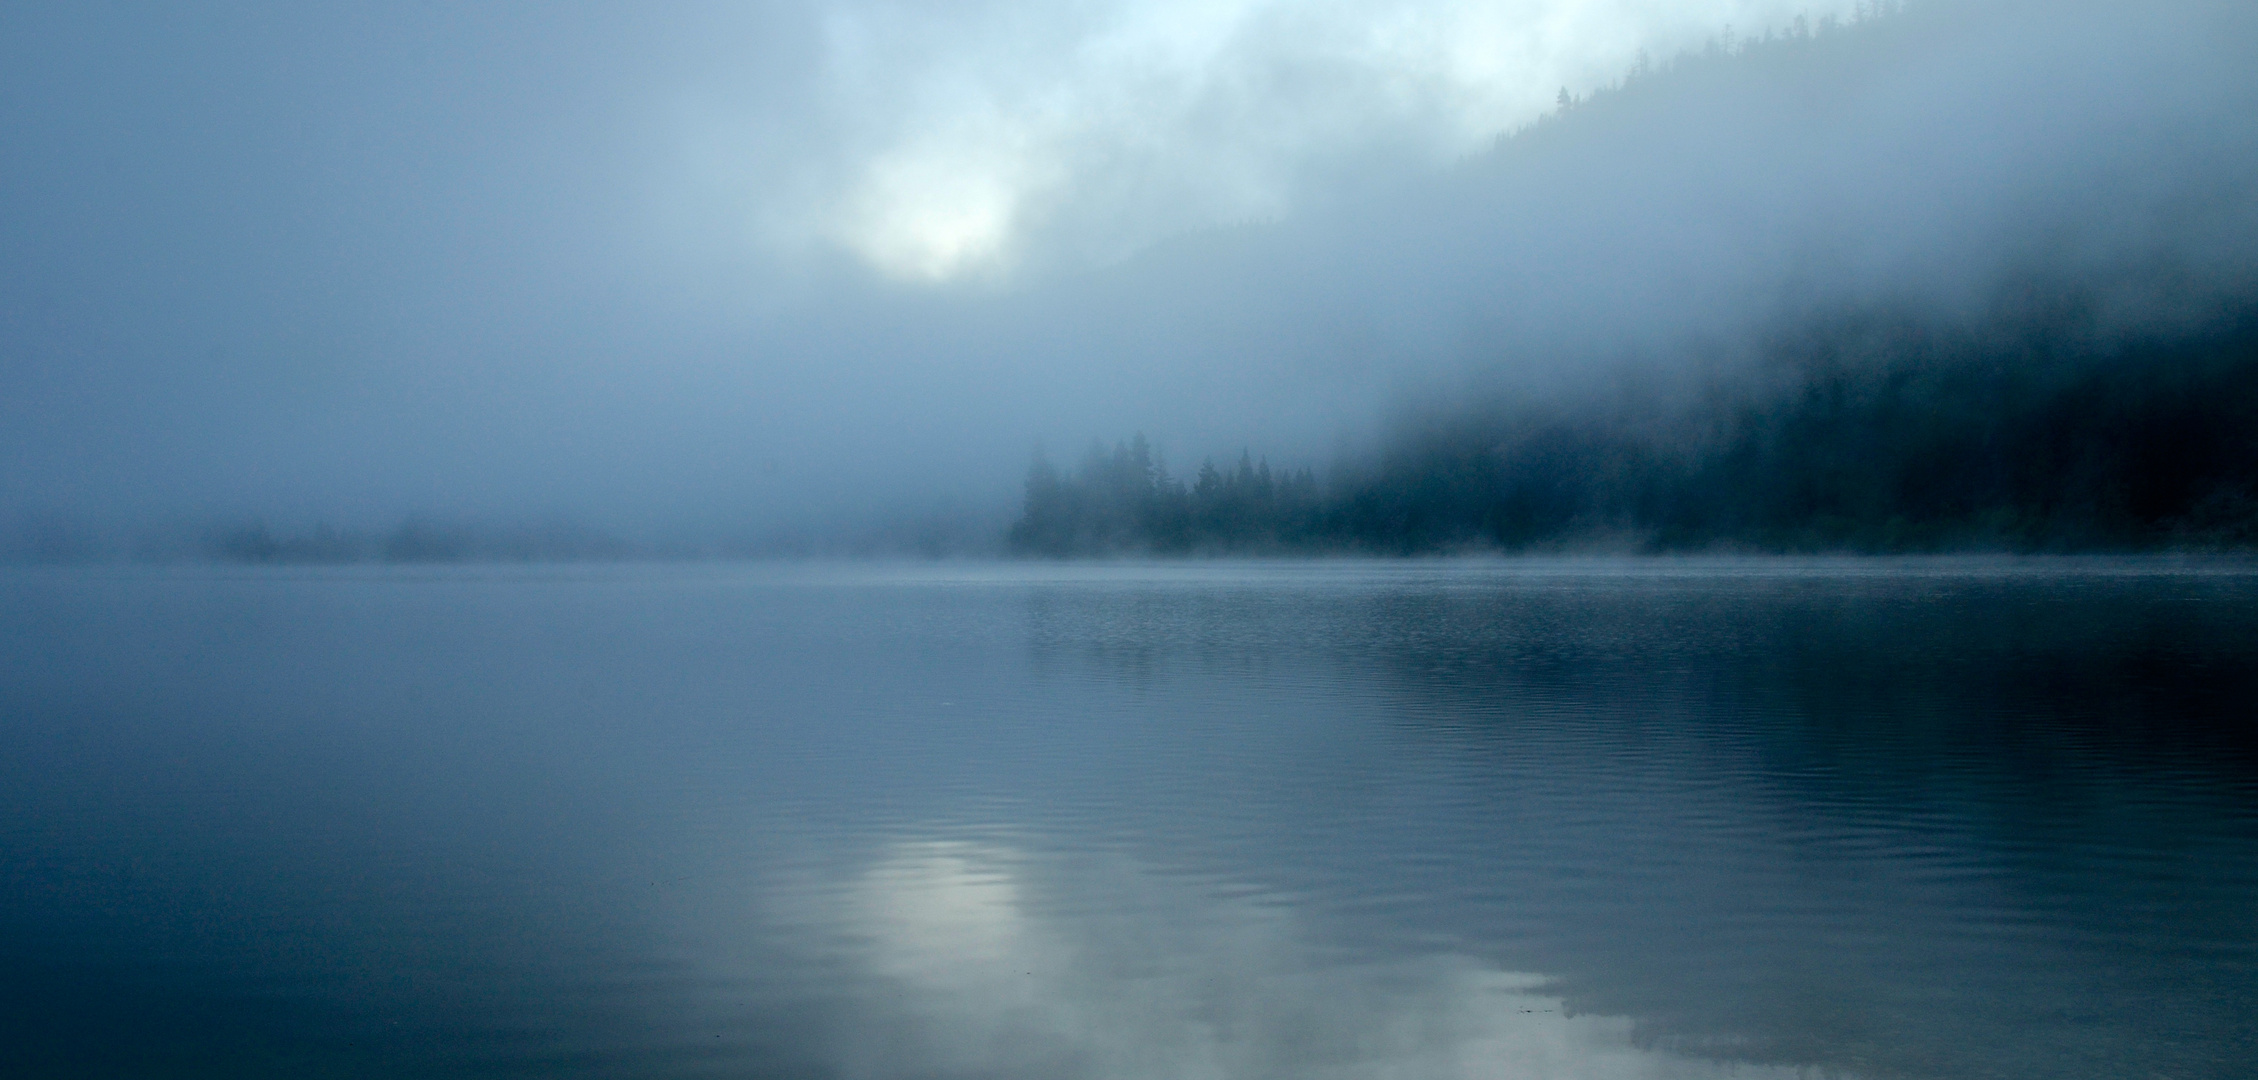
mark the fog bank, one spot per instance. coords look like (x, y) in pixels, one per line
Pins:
(666, 278)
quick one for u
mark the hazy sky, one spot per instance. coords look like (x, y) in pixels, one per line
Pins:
(936, 141)
(729, 266)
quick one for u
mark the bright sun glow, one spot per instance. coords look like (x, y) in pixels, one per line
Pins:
(931, 213)
(967, 140)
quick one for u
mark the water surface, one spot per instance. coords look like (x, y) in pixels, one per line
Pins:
(1951, 818)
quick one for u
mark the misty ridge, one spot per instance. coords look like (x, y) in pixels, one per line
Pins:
(1878, 432)
(1932, 276)
(2083, 378)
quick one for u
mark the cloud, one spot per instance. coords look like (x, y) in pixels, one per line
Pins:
(710, 270)
(965, 140)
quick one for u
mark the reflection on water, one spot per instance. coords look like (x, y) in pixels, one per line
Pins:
(999, 964)
(1576, 819)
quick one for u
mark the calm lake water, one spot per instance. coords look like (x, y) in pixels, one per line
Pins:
(1979, 818)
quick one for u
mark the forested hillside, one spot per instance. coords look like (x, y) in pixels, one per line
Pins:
(2081, 373)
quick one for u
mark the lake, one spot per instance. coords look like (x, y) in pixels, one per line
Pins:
(1516, 818)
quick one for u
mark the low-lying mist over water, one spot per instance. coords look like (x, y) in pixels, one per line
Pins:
(805, 277)
(1223, 539)
(1528, 818)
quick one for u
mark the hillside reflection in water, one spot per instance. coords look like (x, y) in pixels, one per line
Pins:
(1577, 818)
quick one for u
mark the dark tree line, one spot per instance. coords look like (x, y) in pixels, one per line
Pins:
(1862, 431)
(1126, 502)
(2074, 415)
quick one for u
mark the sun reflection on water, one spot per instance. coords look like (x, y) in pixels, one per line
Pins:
(1003, 962)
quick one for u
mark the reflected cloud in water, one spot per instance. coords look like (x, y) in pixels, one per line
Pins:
(1004, 962)
(1524, 819)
